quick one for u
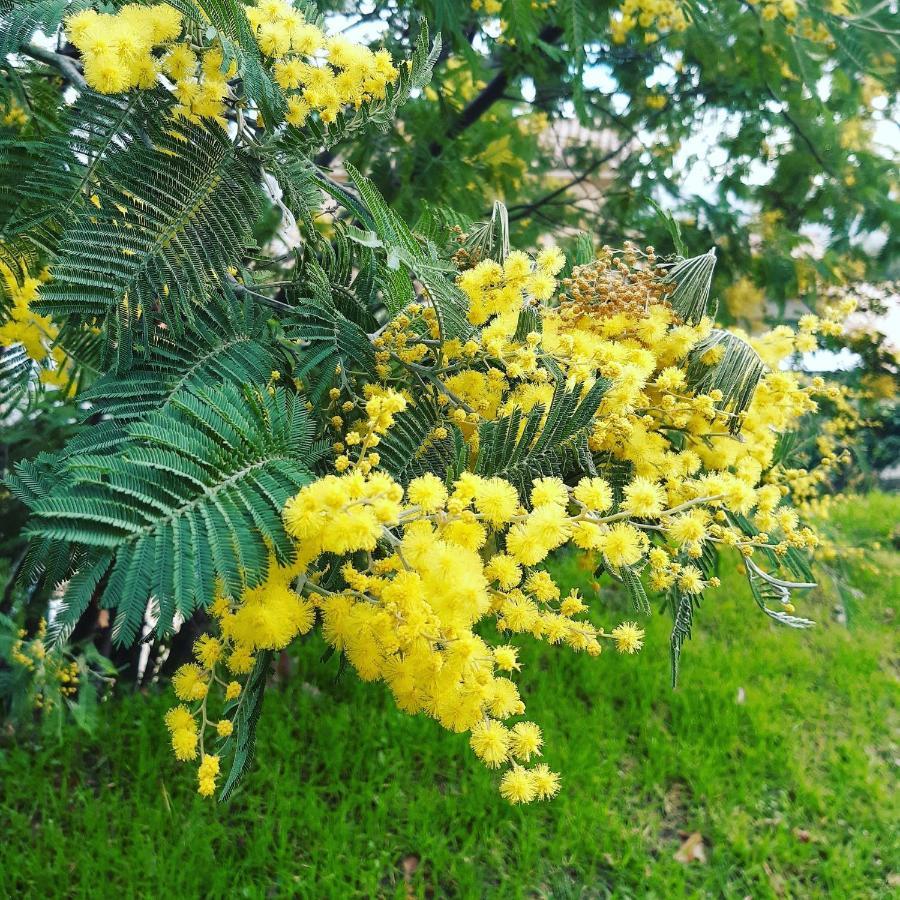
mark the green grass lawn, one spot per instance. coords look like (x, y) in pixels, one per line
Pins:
(778, 748)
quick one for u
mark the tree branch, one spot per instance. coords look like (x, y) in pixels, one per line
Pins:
(521, 210)
(66, 66)
(800, 133)
(240, 288)
(492, 92)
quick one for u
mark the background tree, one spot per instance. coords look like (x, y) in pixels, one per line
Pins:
(764, 127)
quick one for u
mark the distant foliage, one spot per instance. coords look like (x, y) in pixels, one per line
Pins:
(763, 126)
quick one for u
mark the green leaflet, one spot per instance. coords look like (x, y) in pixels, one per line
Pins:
(79, 591)
(230, 343)
(524, 446)
(435, 221)
(575, 22)
(635, 588)
(582, 252)
(242, 742)
(672, 227)
(406, 451)
(332, 338)
(736, 374)
(18, 379)
(404, 250)
(683, 607)
(171, 218)
(692, 280)
(19, 21)
(193, 493)
(70, 164)
(768, 589)
(490, 239)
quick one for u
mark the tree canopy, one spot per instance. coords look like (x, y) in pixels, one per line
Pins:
(764, 128)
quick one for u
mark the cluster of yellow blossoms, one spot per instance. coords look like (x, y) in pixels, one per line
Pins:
(745, 301)
(36, 333)
(268, 617)
(489, 7)
(320, 73)
(416, 573)
(13, 115)
(52, 674)
(656, 18)
(121, 52)
(135, 46)
(614, 322)
(361, 439)
(117, 49)
(201, 86)
(408, 616)
(653, 17)
(771, 9)
(788, 13)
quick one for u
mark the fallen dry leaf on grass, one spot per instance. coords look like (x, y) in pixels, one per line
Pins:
(776, 881)
(410, 865)
(692, 850)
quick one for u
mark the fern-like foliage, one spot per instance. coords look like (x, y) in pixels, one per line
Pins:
(576, 25)
(683, 606)
(634, 587)
(692, 281)
(541, 442)
(736, 374)
(18, 379)
(738, 369)
(20, 20)
(582, 252)
(45, 558)
(194, 493)
(171, 218)
(67, 167)
(796, 561)
(83, 351)
(617, 472)
(436, 221)
(241, 745)
(490, 239)
(422, 262)
(333, 340)
(768, 589)
(409, 449)
(297, 185)
(231, 342)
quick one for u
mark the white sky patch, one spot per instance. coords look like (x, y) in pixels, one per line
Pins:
(830, 361)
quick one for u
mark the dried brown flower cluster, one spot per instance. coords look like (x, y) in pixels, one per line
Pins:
(625, 282)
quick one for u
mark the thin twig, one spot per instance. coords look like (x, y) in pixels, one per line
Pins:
(239, 288)
(425, 372)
